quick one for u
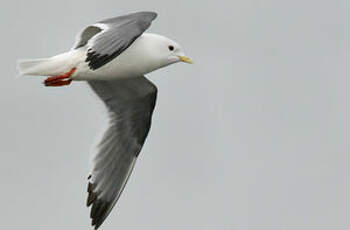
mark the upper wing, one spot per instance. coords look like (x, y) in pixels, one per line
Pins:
(130, 103)
(85, 35)
(109, 38)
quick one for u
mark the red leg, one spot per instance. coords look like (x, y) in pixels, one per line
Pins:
(59, 83)
(60, 80)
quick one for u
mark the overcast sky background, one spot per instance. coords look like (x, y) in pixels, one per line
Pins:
(255, 135)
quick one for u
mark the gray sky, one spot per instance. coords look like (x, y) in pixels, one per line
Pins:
(255, 135)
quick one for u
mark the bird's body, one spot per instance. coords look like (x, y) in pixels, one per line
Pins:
(112, 56)
(135, 61)
(128, 64)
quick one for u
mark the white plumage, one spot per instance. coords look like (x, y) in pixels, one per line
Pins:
(147, 53)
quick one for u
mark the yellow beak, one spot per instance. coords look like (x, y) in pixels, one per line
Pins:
(185, 59)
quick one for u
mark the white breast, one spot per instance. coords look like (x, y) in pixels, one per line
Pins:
(136, 60)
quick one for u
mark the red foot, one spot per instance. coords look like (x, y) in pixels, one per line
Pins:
(60, 80)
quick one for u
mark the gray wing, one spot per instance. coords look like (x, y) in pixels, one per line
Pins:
(109, 38)
(130, 104)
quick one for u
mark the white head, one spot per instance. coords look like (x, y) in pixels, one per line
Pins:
(148, 53)
(162, 51)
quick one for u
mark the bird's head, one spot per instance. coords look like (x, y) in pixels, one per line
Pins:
(165, 51)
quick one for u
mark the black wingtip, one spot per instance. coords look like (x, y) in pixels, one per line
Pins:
(99, 211)
(153, 15)
(148, 15)
(91, 198)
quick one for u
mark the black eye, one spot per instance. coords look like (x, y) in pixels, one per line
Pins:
(171, 48)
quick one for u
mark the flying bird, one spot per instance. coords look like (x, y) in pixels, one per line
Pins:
(113, 56)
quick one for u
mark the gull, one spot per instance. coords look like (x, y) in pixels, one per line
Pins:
(113, 56)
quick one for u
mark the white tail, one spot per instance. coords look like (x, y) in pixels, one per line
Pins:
(34, 66)
(52, 66)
